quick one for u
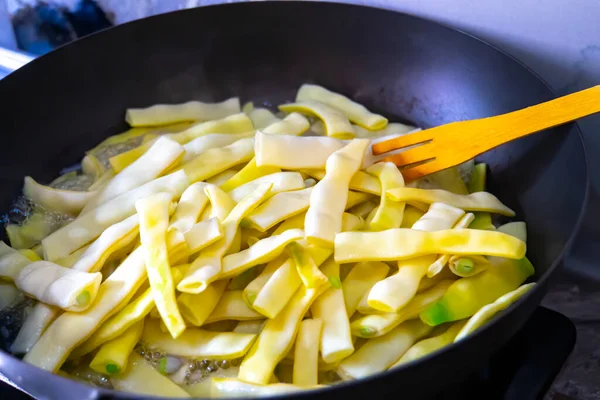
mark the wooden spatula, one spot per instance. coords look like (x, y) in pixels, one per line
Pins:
(449, 145)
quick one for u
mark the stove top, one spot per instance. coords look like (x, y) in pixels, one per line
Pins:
(522, 370)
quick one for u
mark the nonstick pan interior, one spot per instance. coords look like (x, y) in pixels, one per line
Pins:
(411, 70)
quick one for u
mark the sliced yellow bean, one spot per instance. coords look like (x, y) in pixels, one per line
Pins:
(277, 337)
(392, 128)
(437, 266)
(281, 181)
(230, 387)
(247, 174)
(389, 213)
(62, 201)
(295, 222)
(379, 353)
(116, 237)
(198, 343)
(329, 196)
(375, 325)
(294, 125)
(214, 161)
(401, 244)
(221, 178)
(11, 262)
(279, 207)
(164, 154)
(203, 234)
(361, 181)
(90, 225)
(9, 295)
(208, 266)
(142, 379)
(356, 198)
(211, 141)
(306, 353)
(356, 112)
(411, 215)
(220, 202)
(59, 286)
(253, 288)
(71, 328)
(232, 306)
(154, 221)
(306, 267)
(359, 282)
(190, 206)
(253, 327)
(262, 117)
(394, 292)
(516, 229)
(465, 266)
(336, 341)
(164, 114)
(113, 355)
(480, 201)
(485, 313)
(263, 251)
(36, 322)
(336, 123)
(427, 346)
(363, 210)
(196, 308)
(294, 153)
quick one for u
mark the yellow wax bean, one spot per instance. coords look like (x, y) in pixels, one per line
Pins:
(196, 308)
(363, 210)
(253, 327)
(163, 154)
(220, 202)
(357, 113)
(247, 174)
(59, 286)
(63, 201)
(392, 128)
(261, 252)
(9, 295)
(294, 153)
(359, 282)
(401, 244)
(203, 234)
(219, 179)
(125, 318)
(212, 141)
(277, 337)
(71, 328)
(11, 262)
(90, 225)
(208, 266)
(164, 114)
(379, 353)
(294, 125)
(324, 216)
(232, 306)
(437, 266)
(230, 387)
(516, 229)
(355, 198)
(254, 287)
(439, 217)
(36, 322)
(480, 201)
(116, 237)
(361, 181)
(411, 215)
(295, 222)
(281, 182)
(142, 379)
(336, 123)
(236, 123)
(465, 266)
(279, 207)
(336, 341)
(485, 313)
(306, 353)
(190, 206)
(113, 355)
(213, 161)
(154, 220)
(427, 346)
(198, 343)
(389, 213)
(307, 269)
(262, 117)
(374, 325)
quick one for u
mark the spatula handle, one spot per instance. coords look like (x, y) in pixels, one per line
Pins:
(507, 127)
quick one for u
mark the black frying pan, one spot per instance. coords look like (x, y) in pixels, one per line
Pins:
(63, 103)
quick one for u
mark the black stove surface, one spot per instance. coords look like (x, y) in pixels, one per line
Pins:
(522, 370)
